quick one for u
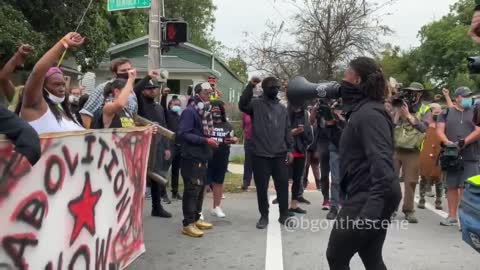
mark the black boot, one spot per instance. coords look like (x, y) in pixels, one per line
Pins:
(332, 214)
(262, 222)
(160, 212)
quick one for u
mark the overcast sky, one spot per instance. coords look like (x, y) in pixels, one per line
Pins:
(234, 17)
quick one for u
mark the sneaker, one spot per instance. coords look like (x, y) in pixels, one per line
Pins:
(223, 196)
(177, 197)
(244, 188)
(326, 205)
(438, 205)
(410, 217)
(449, 222)
(202, 225)
(218, 212)
(421, 204)
(262, 222)
(303, 200)
(332, 214)
(166, 200)
(160, 212)
(275, 201)
(192, 231)
(297, 210)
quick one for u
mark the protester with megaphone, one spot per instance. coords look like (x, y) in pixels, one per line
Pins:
(369, 183)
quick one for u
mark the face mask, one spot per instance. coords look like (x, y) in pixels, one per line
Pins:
(176, 109)
(54, 99)
(435, 118)
(467, 103)
(122, 76)
(351, 95)
(216, 115)
(271, 92)
(73, 99)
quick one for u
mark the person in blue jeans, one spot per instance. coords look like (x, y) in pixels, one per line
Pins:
(334, 130)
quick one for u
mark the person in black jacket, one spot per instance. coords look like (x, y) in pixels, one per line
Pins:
(146, 91)
(272, 145)
(368, 179)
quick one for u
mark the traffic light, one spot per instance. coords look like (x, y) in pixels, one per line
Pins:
(174, 33)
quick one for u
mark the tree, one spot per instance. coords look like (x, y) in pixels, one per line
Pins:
(327, 33)
(44, 22)
(401, 65)
(18, 31)
(445, 46)
(239, 67)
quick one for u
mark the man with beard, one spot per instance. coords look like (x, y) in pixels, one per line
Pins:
(272, 145)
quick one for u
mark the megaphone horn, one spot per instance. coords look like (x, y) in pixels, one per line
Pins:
(299, 90)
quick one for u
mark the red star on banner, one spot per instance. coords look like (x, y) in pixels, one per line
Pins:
(82, 209)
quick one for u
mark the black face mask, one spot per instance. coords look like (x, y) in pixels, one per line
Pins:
(122, 76)
(435, 118)
(351, 95)
(271, 92)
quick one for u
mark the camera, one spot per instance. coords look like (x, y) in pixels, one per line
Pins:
(403, 97)
(326, 109)
(474, 64)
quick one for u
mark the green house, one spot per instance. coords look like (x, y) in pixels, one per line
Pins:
(187, 65)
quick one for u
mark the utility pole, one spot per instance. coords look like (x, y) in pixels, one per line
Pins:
(154, 33)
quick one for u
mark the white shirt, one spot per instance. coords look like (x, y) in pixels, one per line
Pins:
(48, 123)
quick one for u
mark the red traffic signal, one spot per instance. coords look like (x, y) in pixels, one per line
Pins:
(175, 32)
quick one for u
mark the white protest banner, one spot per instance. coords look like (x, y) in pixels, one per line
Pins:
(80, 206)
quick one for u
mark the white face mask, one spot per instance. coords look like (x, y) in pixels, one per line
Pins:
(56, 100)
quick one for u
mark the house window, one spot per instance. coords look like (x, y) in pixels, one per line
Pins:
(174, 85)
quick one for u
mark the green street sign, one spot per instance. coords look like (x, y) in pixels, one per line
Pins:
(115, 5)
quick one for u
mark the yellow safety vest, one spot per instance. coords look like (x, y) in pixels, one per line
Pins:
(421, 112)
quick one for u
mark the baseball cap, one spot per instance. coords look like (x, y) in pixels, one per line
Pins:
(415, 86)
(202, 86)
(152, 85)
(463, 92)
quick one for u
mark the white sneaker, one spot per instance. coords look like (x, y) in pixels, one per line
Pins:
(217, 211)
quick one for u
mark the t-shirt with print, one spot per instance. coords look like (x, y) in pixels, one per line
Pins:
(221, 131)
(458, 125)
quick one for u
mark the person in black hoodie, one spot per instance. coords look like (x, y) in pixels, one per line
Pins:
(172, 113)
(368, 180)
(272, 145)
(146, 91)
(302, 134)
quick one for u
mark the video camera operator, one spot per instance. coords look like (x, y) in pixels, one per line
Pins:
(411, 122)
(454, 125)
(319, 115)
(335, 123)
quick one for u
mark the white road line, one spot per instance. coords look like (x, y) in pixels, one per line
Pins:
(274, 255)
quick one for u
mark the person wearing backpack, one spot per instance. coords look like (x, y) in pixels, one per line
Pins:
(411, 122)
(454, 125)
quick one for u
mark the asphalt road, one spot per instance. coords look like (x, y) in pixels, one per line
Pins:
(235, 243)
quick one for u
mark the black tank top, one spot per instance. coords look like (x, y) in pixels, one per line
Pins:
(122, 119)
